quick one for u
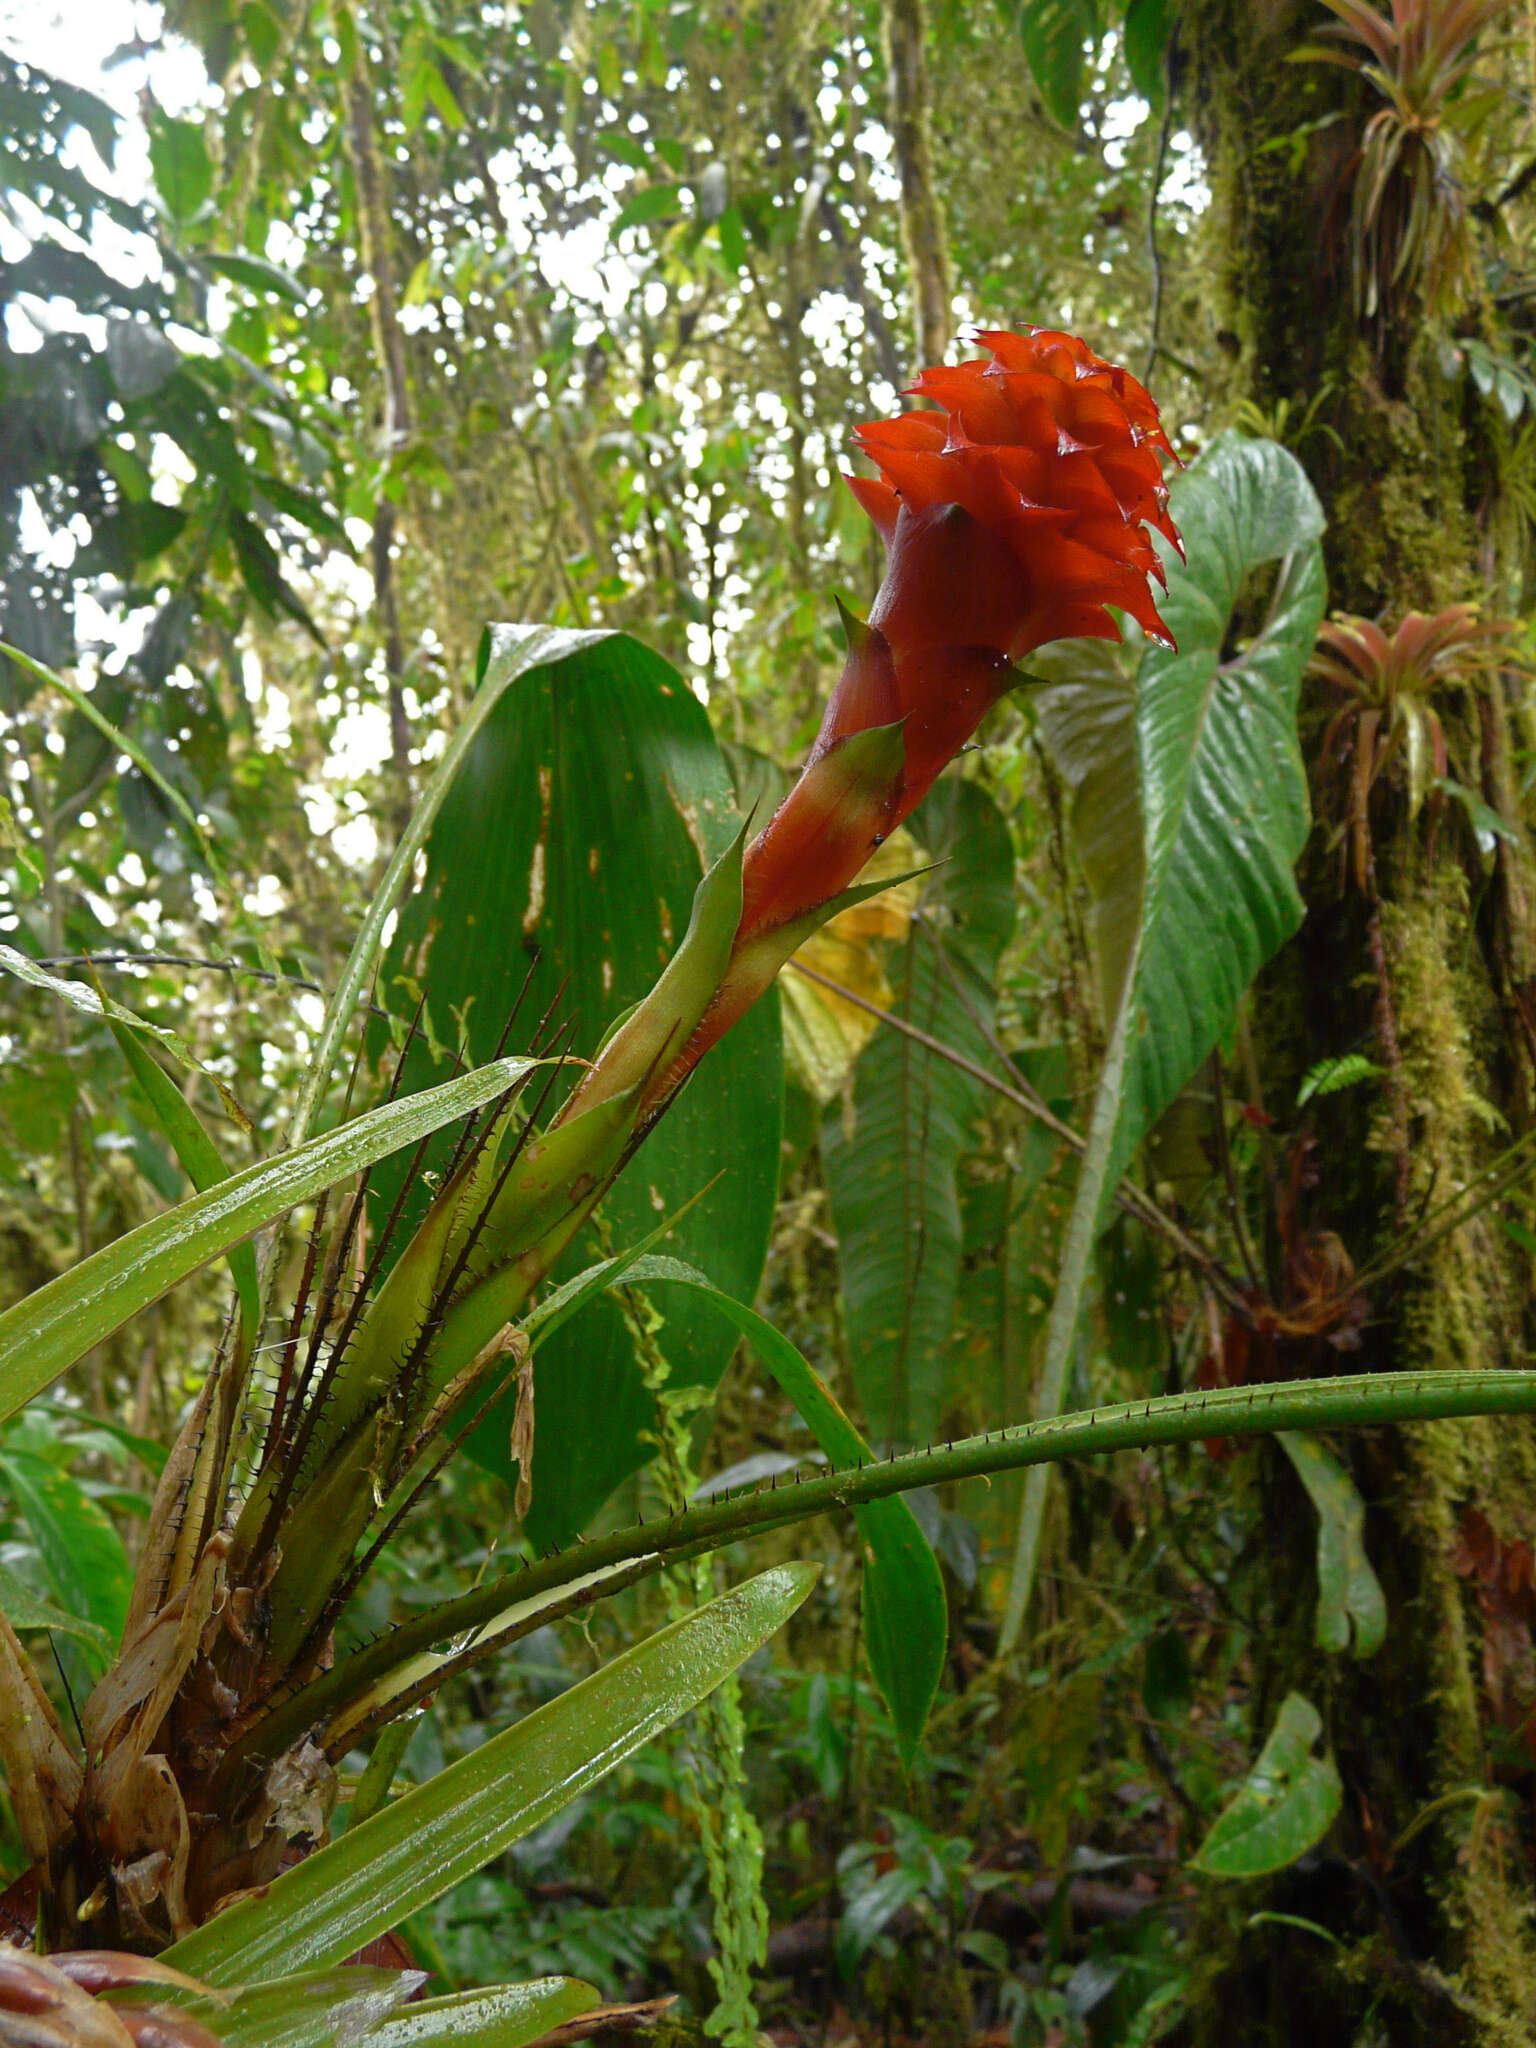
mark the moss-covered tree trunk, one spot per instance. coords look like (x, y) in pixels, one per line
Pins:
(1425, 970)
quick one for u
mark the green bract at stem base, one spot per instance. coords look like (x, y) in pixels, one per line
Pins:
(1366, 1401)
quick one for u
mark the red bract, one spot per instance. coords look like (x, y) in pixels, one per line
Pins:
(1015, 514)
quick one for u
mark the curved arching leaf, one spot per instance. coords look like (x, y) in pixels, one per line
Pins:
(1193, 884)
(44, 1334)
(367, 2008)
(413, 1850)
(1223, 785)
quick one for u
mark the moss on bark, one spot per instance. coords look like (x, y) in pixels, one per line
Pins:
(1436, 1936)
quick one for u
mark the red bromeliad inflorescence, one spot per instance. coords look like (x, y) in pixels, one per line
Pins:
(1015, 510)
(1015, 513)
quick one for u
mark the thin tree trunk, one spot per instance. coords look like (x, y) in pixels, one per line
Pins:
(922, 219)
(389, 349)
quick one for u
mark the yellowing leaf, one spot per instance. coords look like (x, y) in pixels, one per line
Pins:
(823, 1032)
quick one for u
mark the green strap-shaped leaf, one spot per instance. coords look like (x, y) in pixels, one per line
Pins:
(366, 2007)
(905, 1615)
(1284, 1806)
(91, 1002)
(328, 1906)
(44, 1334)
(501, 2016)
(1351, 1607)
(571, 1296)
(125, 744)
(312, 2009)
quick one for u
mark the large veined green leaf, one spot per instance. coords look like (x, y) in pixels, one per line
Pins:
(1223, 786)
(906, 1618)
(412, 1851)
(506, 653)
(571, 841)
(45, 1333)
(1193, 884)
(891, 1159)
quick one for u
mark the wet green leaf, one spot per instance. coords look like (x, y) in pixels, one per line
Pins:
(571, 844)
(312, 2009)
(501, 2016)
(1284, 1806)
(1351, 1607)
(45, 1333)
(355, 1889)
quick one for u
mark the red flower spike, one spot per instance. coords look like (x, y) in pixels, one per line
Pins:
(1014, 513)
